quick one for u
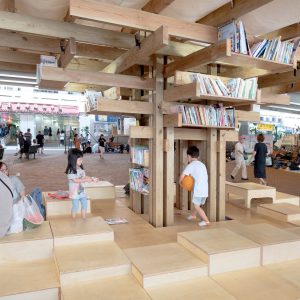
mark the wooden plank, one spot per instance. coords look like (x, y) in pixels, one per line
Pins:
(19, 57)
(190, 134)
(128, 17)
(247, 116)
(108, 106)
(286, 33)
(173, 120)
(244, 72)
(149, 46)
(10, 5)
(140, 132)
(221, 166)
(96, 78)
(113, 93)
(231, 10)
(156, 6)
(169, 178)
(279, 79)
(231, 135)
(183, 194)
(17, 67)
(202, 57)
(68, 54)
(269, 98)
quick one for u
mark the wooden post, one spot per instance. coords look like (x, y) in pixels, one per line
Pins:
(183, 194)
(177, 173)
(212, 173)
(221, 176)
(169, 177)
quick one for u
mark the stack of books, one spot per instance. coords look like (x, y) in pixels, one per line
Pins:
(204, 115)
(91, 97)
(139, 180)
(140, 155)
(276, 50)
(234, 87)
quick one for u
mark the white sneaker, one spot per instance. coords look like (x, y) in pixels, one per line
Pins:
(202, 223)
(191, 217)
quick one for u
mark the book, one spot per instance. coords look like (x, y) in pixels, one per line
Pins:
(228, 31)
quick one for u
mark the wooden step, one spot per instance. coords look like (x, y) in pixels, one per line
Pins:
(284, 212)
(56, 207)
(195, 289)
(27, 245)
(77, 263)
(258, 284)
(277, 244)
(153, 265)
(77, 231)
(100, 190)
(120, 193)
(222, 249)
(295, 230)
(29, 280)
(287, 198)
(119, 287)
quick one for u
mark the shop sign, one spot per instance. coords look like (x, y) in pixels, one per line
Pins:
(265, 127)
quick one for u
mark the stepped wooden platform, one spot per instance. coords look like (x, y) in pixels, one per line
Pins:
(222, 249)
(295, 230)
(200, 288)
(277, 245)
(28, 245)
(69, 231)
(287, 198)
(120, 287)
(258, 284)
(119, 190)
(284, 212)
(90, 261)
(154, 265)
(250, 190)
(57, 207)
(101, 190)
(31, 280)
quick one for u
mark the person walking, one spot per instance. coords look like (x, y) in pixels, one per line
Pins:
(101, 142)
(239, 159)
(40, 141)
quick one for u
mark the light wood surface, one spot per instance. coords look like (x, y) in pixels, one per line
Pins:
(164, 263)
(23, 277)
(222, 249)
(281, 211)
(202, 288)
(76, 231)
(287, 198)
(120, 287)
(140, 132)
(100, 190)
(257, 283)
(90, 261)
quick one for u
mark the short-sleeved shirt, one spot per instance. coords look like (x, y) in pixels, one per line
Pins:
(238, 147)
(28, 137)
(198, 170)
(75, 188)
(18, 188)
(40, 139)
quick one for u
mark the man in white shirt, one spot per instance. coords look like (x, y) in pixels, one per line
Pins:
(239, 159)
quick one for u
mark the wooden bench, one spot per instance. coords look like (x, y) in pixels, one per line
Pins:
(32, 151)
(249, 191)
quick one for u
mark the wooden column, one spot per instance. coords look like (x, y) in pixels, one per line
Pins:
(157, 149)
(212, 173)
(177, 173)
(169, 177)
(183, 194)
(221, 175)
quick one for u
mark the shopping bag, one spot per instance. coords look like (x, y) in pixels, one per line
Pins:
(32, 216)
(18, 216)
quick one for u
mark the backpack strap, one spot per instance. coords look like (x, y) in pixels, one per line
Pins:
(7, 187)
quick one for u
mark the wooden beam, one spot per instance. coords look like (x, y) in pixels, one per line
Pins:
(286, 33)
(123, 107)
(247, 116)
(128, 17)
(231, 135)
(149, 46)
(140, 132)
(68, 54)
(281, 99)
(10, 5)
(201, 57)
(221, 175)
(156, 6)
(183, 193)
(190, 134)
(19, 57)
(279, 79)
(173, 120)
(96, 78)
(244, 72)
(231, 11)
(17, 67)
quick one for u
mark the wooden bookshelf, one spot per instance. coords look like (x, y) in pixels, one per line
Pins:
(140, 132)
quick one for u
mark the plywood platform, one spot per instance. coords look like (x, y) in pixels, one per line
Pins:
(100, 190)
(222, 249)
(153, 265)
(117, 288)
(202, 288)
(56, 207)
(83, 262)
(76, 231)
(258, 284)
(280, 211)
(27, 245)
(295, 230)
(39, 278)
(278, 245)
(287, 198)
(120, 193)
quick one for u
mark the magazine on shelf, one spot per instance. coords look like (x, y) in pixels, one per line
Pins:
(115, 221)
